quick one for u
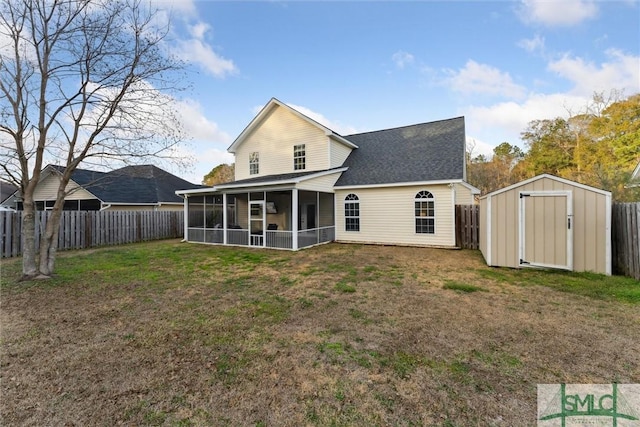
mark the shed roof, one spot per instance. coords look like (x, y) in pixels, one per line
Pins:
(433, 151)
(549, 176)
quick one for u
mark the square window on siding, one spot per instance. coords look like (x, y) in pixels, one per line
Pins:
(299, 157)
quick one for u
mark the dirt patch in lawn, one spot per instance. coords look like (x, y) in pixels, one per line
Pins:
(179, 334)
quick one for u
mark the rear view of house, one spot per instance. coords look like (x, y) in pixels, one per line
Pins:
(298, 184)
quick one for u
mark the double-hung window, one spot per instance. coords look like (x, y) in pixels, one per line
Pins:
(425, 213)
(299, 157)
(254, 163)
(351, 213)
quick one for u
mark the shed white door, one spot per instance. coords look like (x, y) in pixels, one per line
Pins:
(546, 229)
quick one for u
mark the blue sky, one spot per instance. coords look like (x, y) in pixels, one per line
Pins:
(361, 66)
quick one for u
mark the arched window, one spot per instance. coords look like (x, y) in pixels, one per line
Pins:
(425, 213)
(351, 213)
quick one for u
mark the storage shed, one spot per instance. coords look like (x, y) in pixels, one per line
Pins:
(547, 222)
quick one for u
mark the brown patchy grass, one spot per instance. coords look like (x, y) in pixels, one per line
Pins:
(178, 334)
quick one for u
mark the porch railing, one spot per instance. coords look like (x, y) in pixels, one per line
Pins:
(316, 236)
(279, 239)
(273, 238)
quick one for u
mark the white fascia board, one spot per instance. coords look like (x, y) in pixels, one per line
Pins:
(400, 184)
(339, 138)
(552, 177)
(195, 191)
(473, 189)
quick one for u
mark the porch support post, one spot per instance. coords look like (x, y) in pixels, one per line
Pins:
(185, 224)
(294, 219)
(224, 218)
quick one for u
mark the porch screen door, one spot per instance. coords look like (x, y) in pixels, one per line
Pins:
(256, 223)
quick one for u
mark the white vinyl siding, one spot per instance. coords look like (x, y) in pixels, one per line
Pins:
(464, 196)
(387, 215)
(339, 153)
(322, 183)
(47, 189)
(275, 137)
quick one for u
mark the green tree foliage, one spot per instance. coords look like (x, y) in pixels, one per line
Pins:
(599, 148)
(220, 174)
(502, 170)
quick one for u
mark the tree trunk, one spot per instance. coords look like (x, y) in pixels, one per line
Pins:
(49, 243)
(29, 267)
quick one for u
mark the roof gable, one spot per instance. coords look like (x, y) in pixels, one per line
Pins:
(547, 176)
(433, 151)
(271, 105)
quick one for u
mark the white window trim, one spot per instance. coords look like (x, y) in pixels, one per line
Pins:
(348, 200)
(423, 200)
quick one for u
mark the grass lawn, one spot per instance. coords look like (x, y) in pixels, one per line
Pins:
(177, 334)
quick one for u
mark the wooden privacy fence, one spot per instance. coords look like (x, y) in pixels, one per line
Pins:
(86, 229)
(468, 226)
(625, 239)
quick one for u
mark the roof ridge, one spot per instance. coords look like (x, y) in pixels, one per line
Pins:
(405, 126)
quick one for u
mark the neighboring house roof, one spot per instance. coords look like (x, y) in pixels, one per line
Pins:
(6, 190)
(143, 184)
(274, 103)
(424, 152)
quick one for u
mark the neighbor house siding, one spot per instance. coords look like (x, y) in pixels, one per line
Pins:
(590, 229)
(274, 139)
(387, 216)
(47, 189)
(338, 152)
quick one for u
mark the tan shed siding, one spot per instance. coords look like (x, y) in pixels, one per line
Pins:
(387, 215)
(323, 183)
(504, 229)
(47, 189)
(274, 139)
(483, 228)
(589, 225)
(339, 153)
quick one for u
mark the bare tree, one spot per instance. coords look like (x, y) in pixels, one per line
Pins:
(80, 80)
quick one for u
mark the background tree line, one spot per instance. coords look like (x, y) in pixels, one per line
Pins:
(599, 146)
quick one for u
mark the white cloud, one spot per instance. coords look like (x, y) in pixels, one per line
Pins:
(402, 59)
(558, 12)
(536, 44)
(621, 71)
(197, 51)
(334, 126)
(197, 126)
(207, 159)
(477, 147)
(503, 122)
(477, 78)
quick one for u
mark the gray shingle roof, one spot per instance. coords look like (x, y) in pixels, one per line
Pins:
(433, 151)
(132, 184)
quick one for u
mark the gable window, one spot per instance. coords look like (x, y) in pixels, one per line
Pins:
(299, 157)
(254, 163)
(351, 213)
(425, 213)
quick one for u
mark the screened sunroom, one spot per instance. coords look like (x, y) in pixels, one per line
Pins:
(275, 218)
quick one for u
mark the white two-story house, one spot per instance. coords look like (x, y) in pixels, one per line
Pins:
(299, 184)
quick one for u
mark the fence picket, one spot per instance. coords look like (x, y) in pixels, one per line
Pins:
(80, 230)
